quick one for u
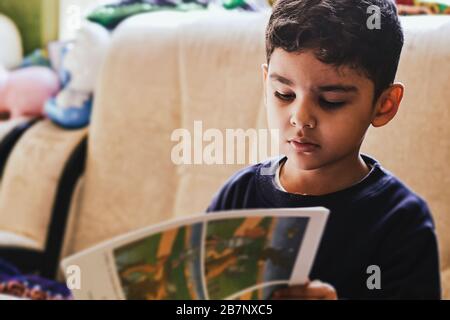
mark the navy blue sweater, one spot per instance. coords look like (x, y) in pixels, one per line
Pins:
(378, 221)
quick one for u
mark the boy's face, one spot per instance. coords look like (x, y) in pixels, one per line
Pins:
(312, 102)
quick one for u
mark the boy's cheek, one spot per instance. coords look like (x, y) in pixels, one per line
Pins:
(278, 115)
(276, 119)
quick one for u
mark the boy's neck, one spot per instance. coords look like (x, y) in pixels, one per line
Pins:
(330, 178)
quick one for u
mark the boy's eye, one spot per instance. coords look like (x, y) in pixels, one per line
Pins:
(330, 104)
(284, 97)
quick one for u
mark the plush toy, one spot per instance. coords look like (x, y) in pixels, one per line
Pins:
(23, 92)
(72, 106)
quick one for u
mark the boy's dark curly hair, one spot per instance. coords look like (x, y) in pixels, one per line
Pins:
(338, 34)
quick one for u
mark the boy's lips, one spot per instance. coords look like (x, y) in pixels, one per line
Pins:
(303, 145)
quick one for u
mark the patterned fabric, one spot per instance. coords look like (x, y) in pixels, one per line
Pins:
(409, 7)
(13, 283)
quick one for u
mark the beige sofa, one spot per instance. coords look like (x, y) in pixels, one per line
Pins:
(166, 70)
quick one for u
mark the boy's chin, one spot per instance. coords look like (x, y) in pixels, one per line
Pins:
(304, 161)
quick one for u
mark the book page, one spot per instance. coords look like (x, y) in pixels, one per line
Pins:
(243, 254)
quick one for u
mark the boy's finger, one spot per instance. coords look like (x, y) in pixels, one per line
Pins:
(321, 290)
(313, 290)
(298, 290)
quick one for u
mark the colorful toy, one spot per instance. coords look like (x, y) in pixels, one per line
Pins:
(38, 57)
(23, 92)
(72, 106)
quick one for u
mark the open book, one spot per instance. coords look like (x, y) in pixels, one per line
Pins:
(242, 254)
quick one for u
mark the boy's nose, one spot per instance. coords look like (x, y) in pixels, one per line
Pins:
(302, 117)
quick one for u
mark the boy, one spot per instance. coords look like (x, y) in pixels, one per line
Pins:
(329, 77)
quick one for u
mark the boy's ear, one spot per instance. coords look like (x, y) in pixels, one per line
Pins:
(265, 70)
(387, 105)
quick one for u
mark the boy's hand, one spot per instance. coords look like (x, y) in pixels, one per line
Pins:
(314, 290)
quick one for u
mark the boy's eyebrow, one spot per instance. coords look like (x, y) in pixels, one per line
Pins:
(337, 87)
(327, 88)
(277, 77)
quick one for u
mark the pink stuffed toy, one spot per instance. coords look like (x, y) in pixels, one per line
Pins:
(23, 92)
